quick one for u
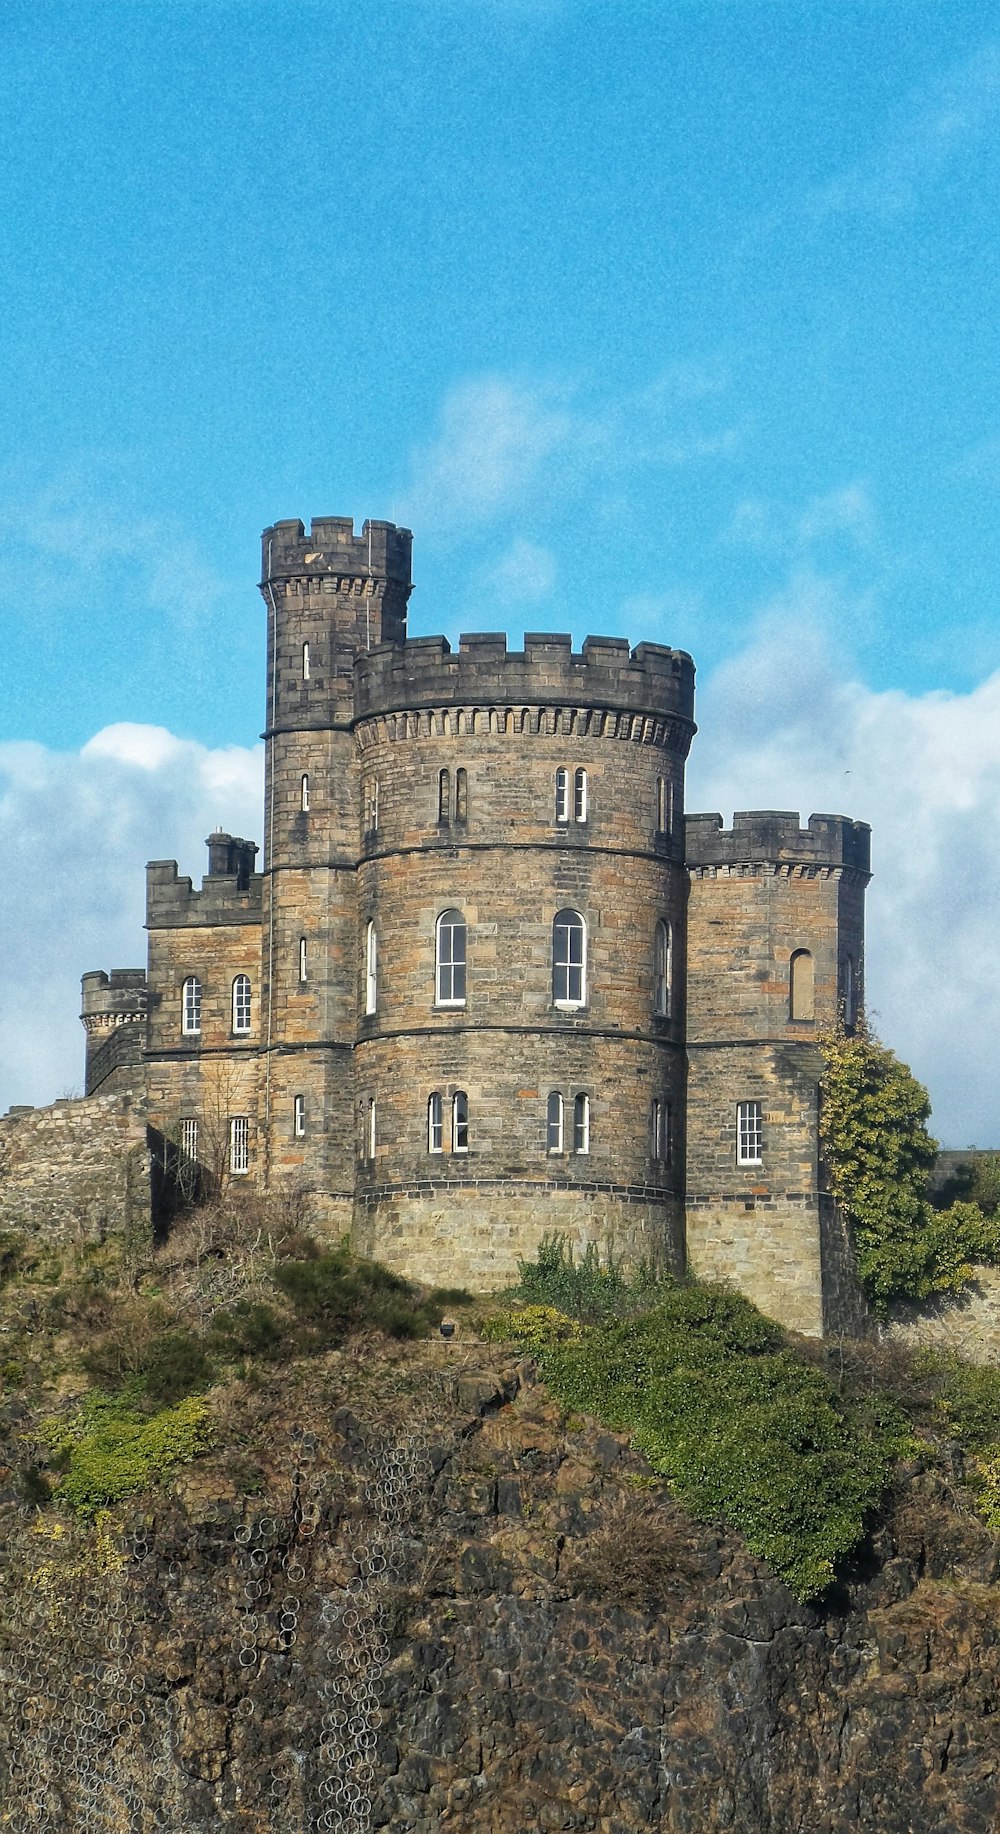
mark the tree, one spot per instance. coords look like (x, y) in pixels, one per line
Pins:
(878, 1153)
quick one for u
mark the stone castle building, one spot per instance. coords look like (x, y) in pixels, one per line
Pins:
(491, 981)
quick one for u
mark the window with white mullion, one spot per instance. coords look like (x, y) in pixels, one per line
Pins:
(450, 963)
(749, 1134)
(569, 959)
(554, 1123)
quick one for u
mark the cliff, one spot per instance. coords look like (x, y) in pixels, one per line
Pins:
(403, 1589)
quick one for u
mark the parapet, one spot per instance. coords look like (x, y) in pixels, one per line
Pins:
(381, 551)
(425, 672)
(171, 900)
(774, 836)
(113, 998)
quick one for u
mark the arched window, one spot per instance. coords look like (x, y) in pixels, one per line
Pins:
(304, 794)
(554, 1123)
(569, 959)
(191, 1007)
(461, 796)
(581, 1124)
(801, 986)
(303, 959)
(460, 1122)
(435, 1123)
(662, 968)
(371, 969)
(305, 662)
(580, 796)
(299, 1116)
(241, 1004)
(450, 964)
(562, 795)
(444, 796)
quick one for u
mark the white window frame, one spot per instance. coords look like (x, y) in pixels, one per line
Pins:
(304, 793)
(435, 1123)
(562, 796)
(663, 952)
(191, 1007)
(554, 1120)
(568, 973)
(305, 662)
(749, 1133)
(239, 1145)
(303, 958)
(459, 1122)
(371, 969)
(242, 1011)
(371, 1128)
(299, 1116)
(451, 972)
(189, 1140)
(581, 1123)
(581, 795)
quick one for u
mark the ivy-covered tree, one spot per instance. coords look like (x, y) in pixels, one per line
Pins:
(878, 1153)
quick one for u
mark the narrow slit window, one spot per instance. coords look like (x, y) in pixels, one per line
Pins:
(191, 1007)
(371, 806)
(435, 1123)
(303, 959)
(801, 986)
(580, 796)
(371, 1128)
(562, 795)
(241, 1005)
(299, 1116)
(450, 959)
(444, 796)
(305, 662)
(239, 1145)
(662, 968)
(661, 805)
(371, 969)
(849, 992)
(304, 794)
(569, 959)
(460, 1122)
(655, 1129)
(749, 1134)
(554, 1123)
(461, 797)
(581, 1124)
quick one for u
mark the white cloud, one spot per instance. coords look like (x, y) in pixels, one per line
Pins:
(783, 724)
(75, 831)
(505, 442)
(524, 574)
(934, 128)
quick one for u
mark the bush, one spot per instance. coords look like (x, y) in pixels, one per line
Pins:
(582, 1289)
(873, 1124)
(744, 1432)
(11, 1255)
(161, 1365)
(249, 1329)
(110, 1449)
(338, 1293)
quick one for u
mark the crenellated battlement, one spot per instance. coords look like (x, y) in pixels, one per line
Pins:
(774, 837)
(171, 900)
(607, 675)
(381, 551)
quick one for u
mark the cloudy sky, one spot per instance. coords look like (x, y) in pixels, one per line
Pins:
(673, 321)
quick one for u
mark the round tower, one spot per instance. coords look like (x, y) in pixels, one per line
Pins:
(519, 952)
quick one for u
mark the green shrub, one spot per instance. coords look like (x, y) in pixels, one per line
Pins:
(249, 1329)
(743, 1431)
(581, 1289)
(34, 1486)
(110, 1448)
(878, 1152)
(163, 1367)
(337, 1293)
(11, 1255)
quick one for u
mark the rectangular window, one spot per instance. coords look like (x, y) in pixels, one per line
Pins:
(241, 1005)
(189, 1141)
(371, 1129)
(303, 959)
(299, 1116)
(554, 1123)
(581, 1124)
(562, 795)
(435, 1124)
(580, 796)
(460, 1123)
(191, 1007)
(371, 969)
(461, 797)
(444, 796)
(305, 662)
(371, 806)
(239, 1145)
(304, 795)
(749, 1134)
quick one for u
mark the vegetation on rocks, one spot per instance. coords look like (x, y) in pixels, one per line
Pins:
(879, 1153)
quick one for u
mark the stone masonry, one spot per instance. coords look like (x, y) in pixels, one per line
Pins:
(489, 983)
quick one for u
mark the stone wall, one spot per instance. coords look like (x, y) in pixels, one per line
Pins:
(968, 1324)
(75, 1172)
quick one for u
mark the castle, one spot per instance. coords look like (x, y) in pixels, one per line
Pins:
(492, 982)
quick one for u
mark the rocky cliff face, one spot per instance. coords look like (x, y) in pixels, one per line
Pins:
(411, 1595)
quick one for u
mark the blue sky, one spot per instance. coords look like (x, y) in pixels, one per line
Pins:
(677, 321)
